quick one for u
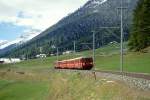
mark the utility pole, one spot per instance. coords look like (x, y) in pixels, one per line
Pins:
(102, 40)
(94, 49)
(41, 49)
(94, 55)
(57, 53)
(121, 56)
(122, 36)
(74, 44)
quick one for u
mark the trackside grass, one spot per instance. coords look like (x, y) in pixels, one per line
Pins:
(65, 86)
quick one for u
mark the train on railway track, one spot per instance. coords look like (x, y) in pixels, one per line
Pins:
(81, 63)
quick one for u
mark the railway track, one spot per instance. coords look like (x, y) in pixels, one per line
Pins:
(129, 74)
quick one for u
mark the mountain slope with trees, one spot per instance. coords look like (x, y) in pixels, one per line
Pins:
(78, 27)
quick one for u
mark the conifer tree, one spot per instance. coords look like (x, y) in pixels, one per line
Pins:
(140, 34)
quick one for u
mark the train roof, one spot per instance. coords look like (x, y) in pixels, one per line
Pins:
(75, 59)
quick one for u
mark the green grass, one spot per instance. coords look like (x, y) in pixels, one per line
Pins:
(133, 62)
(23, 90)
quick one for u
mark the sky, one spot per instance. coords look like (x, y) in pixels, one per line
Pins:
(18, 17)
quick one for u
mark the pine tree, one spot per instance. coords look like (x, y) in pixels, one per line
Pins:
(140, 35)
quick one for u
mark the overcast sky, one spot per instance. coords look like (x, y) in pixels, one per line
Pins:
(21, 16)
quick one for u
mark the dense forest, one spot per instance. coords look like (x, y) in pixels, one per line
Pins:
(140, 34)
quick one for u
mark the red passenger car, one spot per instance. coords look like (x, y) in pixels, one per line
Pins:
(77, 63)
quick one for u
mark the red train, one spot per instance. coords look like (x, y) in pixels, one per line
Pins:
(81, 63)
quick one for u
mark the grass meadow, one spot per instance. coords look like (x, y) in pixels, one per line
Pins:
(64, 86)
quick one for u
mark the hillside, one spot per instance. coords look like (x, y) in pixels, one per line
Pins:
(79, 26)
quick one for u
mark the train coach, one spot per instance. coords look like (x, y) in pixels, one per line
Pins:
(81, 63)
